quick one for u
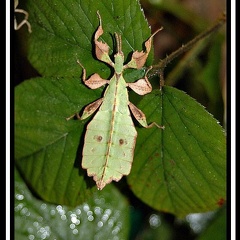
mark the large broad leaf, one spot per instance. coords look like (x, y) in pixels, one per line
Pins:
(62, 32)
(181, 169)
(48, 148)
(104, 216)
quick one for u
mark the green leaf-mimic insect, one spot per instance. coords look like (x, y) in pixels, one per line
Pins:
(111, 136)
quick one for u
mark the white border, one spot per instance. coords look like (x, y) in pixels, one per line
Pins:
(8, 210)
(233, 120)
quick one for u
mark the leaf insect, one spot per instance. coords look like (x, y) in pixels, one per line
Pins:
(111, 136)
(24, 21)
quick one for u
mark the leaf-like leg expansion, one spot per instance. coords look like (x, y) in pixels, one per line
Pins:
(141, 86)
(95, 81)
(139, 58)
(140, 117)
(88, 110)
(91, 108)
(102, 49)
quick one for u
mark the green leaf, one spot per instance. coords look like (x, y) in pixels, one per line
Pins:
(104, 216)
(181, 169)
(63, 32)
(47, 146)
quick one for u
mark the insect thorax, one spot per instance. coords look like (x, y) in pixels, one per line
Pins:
(118, 59)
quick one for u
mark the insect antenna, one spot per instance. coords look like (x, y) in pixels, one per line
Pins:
(119, 42)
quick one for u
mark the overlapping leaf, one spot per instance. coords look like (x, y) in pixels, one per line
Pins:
(47, 146)
(181, 169)
(63, 33)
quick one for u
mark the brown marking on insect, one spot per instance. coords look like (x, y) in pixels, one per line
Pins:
(98, 138)
(138, 114)
(220, 202)
(122, 141)
(91, 106)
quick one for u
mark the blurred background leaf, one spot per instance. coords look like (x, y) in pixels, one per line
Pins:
(216, 228)
(104, 216)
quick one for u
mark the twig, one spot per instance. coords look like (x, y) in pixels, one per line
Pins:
(158, 69)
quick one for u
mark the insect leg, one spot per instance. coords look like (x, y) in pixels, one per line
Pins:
(91, 108)
(95, 81)
(102, 49)
(141, 118)
(139, 58)
(88, 110)
(141, 86)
